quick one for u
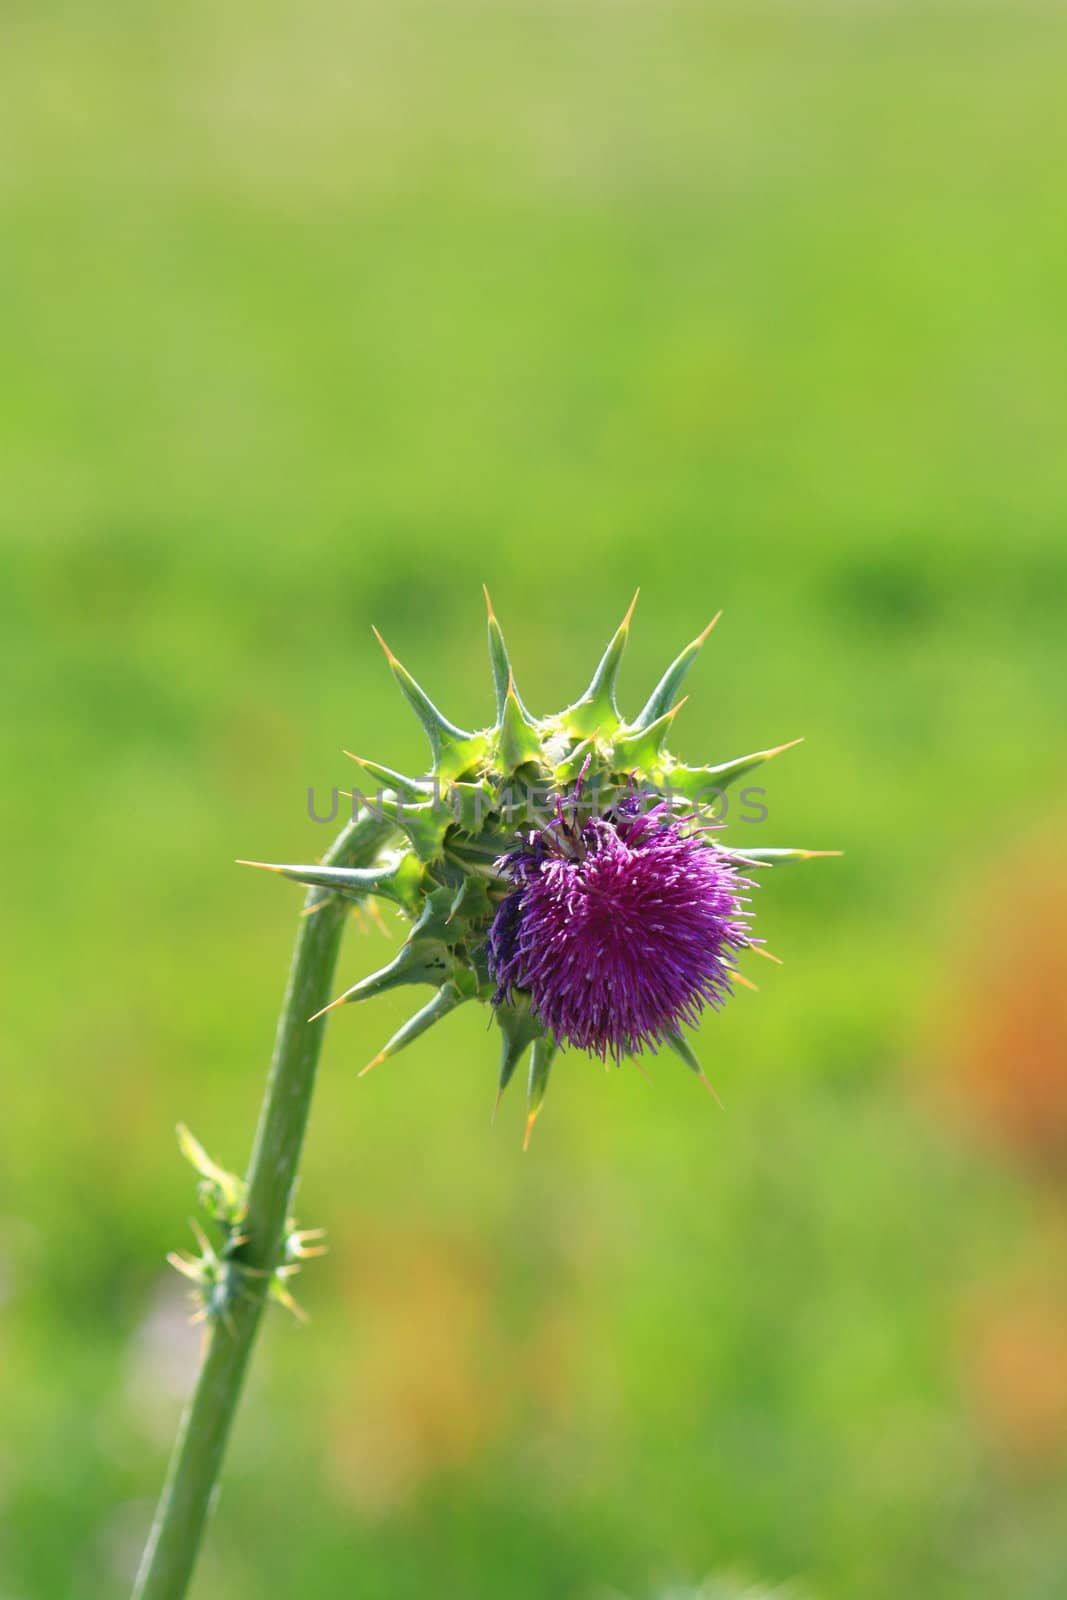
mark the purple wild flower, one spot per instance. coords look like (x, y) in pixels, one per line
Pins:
(620, 928)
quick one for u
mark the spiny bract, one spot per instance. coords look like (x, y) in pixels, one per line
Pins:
(562, 869)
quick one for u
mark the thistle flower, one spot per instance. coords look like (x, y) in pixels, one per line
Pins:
(560, 869)
(620, 927)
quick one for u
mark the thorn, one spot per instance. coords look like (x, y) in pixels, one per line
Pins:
(736, 856)
(341, 998)
(496, 1107)
(710, 1087)
(490, 615)
(813, 855)
(779, 748)
(385, 775)
(201, 1237)
(389, 656)
(309, 911)
(628, 618)
(282, 1295)
(642, 1070)
(761, 950)
(445, 738)
(362, 1073)
(700, 638)
(355, 911)
(746, 983)
(267, 866)
(530, 1120)
(183, 1264)
(375, 914)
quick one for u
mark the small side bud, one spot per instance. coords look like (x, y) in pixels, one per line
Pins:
(221, 1194)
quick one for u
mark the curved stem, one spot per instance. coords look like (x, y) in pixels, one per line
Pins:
(188, 1494)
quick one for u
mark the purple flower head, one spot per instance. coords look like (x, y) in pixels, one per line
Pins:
(620, 927)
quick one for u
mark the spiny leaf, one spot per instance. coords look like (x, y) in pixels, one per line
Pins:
(778, 857)
(663, 695)
(435, 919)
(501, 664)
(447, 998)
(517, 738)
(518, 1029)
(469, 804)
(479, 855)
(570, 768)
(425, 824)
(696, 783)
(681, 1048)
(453, 748)
(408, 788)
(541, 1058)
(471, 901)
(641, 747)
(398, 879)
(596, 711)
(418, 961)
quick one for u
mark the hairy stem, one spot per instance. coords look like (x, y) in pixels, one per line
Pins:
(192, 1478)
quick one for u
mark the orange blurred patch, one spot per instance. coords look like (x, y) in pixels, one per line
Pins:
(1007, 1024)
(436, 1375)
(1018, 1369)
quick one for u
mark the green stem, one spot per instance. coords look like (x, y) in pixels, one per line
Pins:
(173, 1545)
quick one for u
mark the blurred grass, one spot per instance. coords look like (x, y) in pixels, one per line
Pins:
(322, 317)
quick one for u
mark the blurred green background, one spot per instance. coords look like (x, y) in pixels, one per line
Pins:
(320, 316)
